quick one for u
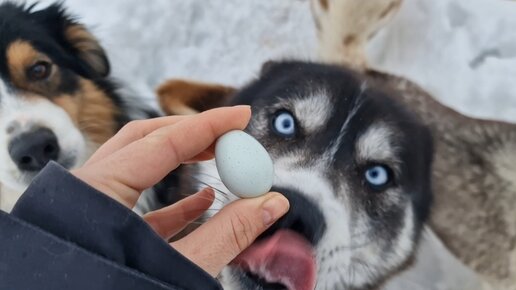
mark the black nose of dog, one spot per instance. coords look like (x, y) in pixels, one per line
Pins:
(31, 151)
(304, 217)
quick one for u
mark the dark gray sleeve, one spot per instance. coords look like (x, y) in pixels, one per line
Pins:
(63, 234)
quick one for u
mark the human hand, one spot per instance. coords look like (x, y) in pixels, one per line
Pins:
(144, 152)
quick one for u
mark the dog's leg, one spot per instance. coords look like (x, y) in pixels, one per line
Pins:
(181, 97)
(345, 26)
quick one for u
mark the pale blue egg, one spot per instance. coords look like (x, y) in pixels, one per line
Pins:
(243, 164)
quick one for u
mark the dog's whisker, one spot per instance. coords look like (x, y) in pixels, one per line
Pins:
(215, 199)
(176, 188)
(209, 175)
(222, 192)
(203, 174)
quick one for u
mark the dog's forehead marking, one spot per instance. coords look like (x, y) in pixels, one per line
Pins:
(313, 111)
(377, 143)
(357, 103)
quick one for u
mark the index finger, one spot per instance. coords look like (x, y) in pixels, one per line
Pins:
(131, 132)
(145, 162)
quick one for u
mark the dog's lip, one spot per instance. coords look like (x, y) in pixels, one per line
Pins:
(284, 258)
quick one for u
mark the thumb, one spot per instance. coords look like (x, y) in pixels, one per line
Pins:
(218, 241)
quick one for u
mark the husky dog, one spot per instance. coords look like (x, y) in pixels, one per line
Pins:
(474, 173)
(354, 164)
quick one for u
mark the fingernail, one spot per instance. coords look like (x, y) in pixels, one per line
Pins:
(243, 106)
(274, 208)
(207, 192)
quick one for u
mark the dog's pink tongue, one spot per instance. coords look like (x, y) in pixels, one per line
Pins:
(286, 258)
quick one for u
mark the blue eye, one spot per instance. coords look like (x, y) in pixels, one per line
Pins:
(284, 124)
(378, 176)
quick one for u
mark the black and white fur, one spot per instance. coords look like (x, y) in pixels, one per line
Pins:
(344, 125)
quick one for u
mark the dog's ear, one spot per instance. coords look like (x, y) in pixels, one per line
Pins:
(88, 48)
(183, 97)
(74, 38)
(268, 66)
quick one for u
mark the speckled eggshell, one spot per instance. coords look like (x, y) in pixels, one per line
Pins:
(243, 164)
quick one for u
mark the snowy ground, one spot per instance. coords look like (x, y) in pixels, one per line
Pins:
(463, 51)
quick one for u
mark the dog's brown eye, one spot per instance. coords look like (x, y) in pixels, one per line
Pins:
(39, 71)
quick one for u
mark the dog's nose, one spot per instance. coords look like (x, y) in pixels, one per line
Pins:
(304, 216)
(31, 151)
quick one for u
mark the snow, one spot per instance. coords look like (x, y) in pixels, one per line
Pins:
(462, 51)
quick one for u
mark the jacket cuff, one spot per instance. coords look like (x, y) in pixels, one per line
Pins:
(65, 206)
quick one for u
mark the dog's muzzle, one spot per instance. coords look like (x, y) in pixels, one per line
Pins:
(284, 257)
(32, 150)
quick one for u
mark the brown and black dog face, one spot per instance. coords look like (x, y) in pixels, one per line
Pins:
(56, 102)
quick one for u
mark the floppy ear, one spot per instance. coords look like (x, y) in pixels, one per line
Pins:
(74, 38)
(183, 97)
(87, 48)
(270, 65)
(267, 66)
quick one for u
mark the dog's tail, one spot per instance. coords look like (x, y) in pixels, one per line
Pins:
(345, 26)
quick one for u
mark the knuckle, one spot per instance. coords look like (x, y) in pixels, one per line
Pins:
(244, 231)
(208, 127)
(173, 148)
(165, 144)
(132, 126)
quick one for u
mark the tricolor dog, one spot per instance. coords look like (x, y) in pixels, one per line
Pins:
(57, 101)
